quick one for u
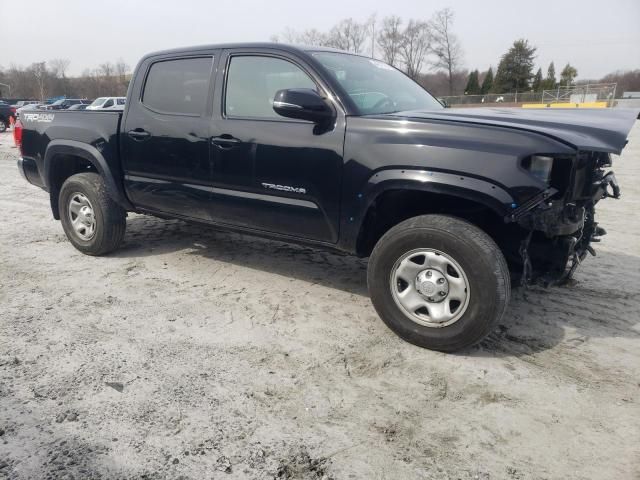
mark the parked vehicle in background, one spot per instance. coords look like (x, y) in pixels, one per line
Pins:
(26, 108)
(66, 103)
(78, 106)
(108, 103)
(7, 112)
(341, 151)
(24, 103)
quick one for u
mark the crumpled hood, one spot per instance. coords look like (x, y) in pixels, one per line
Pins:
(593, 129)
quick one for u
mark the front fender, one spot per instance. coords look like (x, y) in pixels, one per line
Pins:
(483, 192)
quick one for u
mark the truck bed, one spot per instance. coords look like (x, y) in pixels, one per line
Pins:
(42, 129)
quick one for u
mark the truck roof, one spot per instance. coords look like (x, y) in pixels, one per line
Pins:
(272, 45)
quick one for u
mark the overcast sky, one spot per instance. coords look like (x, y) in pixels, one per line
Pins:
(597, 37)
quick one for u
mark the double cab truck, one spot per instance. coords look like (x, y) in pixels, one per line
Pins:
(341, 151)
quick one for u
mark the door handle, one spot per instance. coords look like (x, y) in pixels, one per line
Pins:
(225, 141)
(138, 134)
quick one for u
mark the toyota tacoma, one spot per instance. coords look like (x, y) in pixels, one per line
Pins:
(341, 151)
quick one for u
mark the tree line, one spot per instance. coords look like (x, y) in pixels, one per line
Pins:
(42, 80)
(428, 51)
(411, 46)
(515, 74)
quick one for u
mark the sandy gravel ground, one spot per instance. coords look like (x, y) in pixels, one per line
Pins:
(196, 354)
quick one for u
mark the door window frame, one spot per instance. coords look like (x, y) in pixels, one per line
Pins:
(321, 87)
(210, 84)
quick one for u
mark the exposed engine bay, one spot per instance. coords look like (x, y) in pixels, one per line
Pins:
(559, 223)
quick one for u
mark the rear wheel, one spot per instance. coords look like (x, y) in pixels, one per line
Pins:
(438, 282)
(92, 221)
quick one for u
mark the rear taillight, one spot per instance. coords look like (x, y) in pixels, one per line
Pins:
(17, 134)
(13, 111)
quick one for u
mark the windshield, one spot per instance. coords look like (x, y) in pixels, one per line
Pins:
(374, 86)
(98, 101)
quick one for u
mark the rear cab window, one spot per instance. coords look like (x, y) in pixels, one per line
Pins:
(178, 86)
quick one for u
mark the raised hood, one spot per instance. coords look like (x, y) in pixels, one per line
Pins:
(600, 130)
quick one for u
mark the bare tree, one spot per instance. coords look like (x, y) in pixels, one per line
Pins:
(121, 69)
(308, 37)
(416, 42)
(40, 73)
(348, 35)
(106, 69)
(390, 39)
(290, 35)
(371, 27)
(59, 67)
(445, 45)
(313, 37)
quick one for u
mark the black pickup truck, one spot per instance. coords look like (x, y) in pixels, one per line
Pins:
(345, 152)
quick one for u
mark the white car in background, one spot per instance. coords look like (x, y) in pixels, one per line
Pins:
(29, 106)
(108, 103)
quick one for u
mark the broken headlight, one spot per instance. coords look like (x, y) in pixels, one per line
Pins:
(539, 166)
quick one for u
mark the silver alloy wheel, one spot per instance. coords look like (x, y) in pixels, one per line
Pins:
(430, 287)
(81, 215)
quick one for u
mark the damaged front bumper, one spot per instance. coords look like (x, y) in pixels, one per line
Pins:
(560, 230)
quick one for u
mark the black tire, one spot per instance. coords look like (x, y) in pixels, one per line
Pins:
(481, 261)
(3, 125)
(110, 218)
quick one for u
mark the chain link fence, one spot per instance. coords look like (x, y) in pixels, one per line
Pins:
(602, 92)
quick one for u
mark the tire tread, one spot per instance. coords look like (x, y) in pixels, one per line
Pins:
(474, 238)
(114, 216)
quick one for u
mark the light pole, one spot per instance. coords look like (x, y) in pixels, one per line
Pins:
(8, 86)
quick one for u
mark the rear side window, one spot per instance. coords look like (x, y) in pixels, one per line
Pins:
(178, 86)
(253, 81)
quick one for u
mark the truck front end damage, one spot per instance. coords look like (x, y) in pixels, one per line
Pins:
(558, 225)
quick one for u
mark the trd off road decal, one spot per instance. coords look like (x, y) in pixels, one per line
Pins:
(39, 117)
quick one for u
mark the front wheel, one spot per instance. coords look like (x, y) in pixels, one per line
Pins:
(438, 282)
(92, 221)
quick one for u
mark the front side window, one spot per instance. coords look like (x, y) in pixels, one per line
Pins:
(375, 87)
(108, 103)
(178, 86)
(252, 82)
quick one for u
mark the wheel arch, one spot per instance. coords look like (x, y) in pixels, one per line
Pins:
(64, 158)
(395, 195)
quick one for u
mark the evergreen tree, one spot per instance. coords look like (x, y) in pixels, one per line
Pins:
(516, 67)
(567, 75)
(487, 83)
(538, 81)
(550, 81)
(473, 87)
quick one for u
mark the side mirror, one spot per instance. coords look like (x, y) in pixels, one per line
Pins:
(303, 104)
(443, 102)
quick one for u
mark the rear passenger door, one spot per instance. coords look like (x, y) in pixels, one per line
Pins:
(166, 136)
